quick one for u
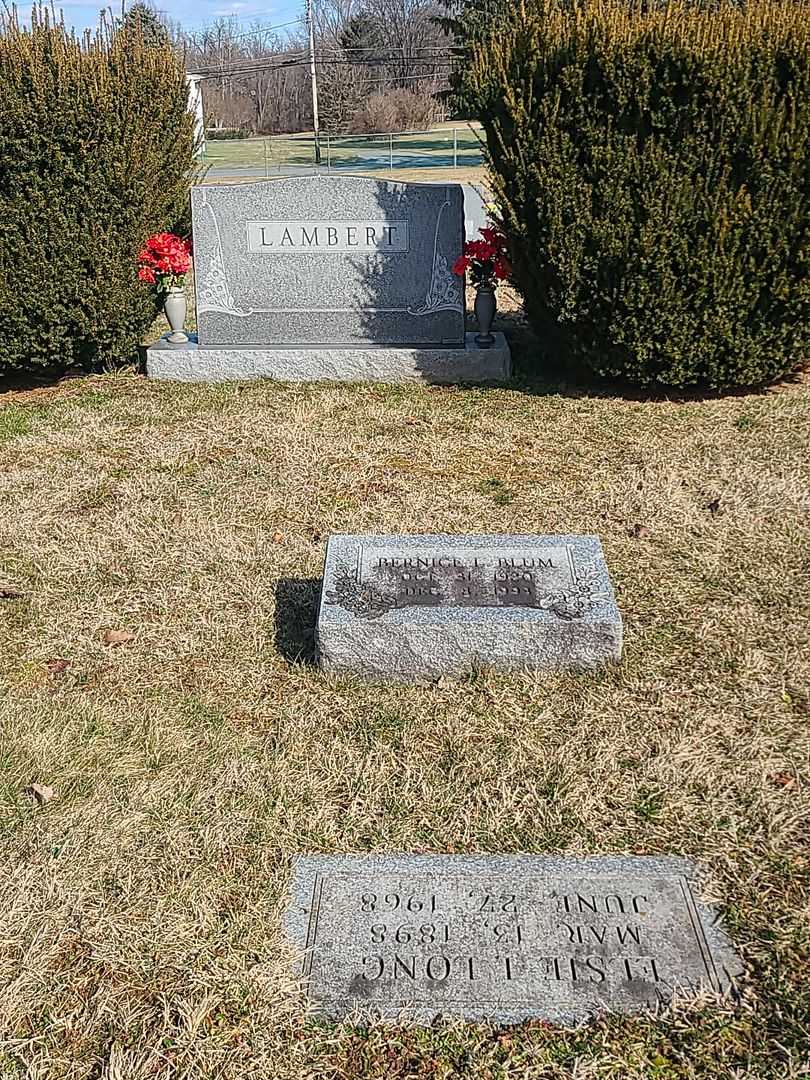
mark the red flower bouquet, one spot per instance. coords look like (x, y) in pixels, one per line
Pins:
(164, 261)
(485, 259)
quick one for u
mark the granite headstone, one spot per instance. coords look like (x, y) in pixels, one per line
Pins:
(415, 607)
(325, 260)
(502, 938)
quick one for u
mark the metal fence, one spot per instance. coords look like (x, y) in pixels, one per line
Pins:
(443, 148)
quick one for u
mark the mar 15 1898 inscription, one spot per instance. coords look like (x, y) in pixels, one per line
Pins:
(504, 938)
(432, 605)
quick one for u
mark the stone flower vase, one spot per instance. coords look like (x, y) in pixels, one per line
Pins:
(485, 308)
(175, 307)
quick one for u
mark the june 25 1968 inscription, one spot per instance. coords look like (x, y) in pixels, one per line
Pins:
(500, 937)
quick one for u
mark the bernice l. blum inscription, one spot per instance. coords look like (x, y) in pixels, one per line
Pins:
(541, 576)
(502, 938)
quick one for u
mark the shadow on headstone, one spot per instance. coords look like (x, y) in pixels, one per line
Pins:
(296, 613)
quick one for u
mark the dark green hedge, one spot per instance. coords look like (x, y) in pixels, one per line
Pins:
(96, 153)
(653, 168)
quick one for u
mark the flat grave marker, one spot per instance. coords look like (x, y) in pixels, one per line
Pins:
(502, 938)
(418, 607)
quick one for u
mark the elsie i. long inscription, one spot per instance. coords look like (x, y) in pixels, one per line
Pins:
(503, 941)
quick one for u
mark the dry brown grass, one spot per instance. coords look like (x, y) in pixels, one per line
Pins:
(139, 909)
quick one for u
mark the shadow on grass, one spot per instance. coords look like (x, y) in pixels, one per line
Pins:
(295, 618)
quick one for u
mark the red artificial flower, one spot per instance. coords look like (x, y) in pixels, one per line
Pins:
(163, 256)
(486, 257)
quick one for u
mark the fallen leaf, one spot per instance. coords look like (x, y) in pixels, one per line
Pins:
(277, 537)
(117, 637)
(639, 531)
(41, 792)
(782, 779)
(57, 665)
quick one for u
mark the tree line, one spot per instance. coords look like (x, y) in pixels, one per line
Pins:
(382, 65)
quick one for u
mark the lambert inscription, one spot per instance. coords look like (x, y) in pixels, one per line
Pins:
(452, 935)
(305, 237)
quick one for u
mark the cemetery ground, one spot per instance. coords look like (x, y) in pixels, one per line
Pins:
(160, 549)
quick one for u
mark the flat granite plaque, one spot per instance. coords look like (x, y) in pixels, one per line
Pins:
(502, 938)
(417, 607)
(328, 261)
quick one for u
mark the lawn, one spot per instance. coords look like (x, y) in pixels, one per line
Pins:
(356, 152)
(160, 548)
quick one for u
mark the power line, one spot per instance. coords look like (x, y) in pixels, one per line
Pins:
(227, 73)
(242, 72)
(258, 31)
(247, 64)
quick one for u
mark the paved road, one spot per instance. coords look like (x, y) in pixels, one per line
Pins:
(475, 215)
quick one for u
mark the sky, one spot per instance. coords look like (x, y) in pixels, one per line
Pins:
(191, 13)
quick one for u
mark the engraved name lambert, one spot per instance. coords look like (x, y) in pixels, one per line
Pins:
(303, 237)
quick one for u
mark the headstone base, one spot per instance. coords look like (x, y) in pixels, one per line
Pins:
(424, 649)
(191, 362)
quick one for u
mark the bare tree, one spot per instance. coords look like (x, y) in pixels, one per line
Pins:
(365, 49)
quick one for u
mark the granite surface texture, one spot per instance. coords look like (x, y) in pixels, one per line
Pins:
(508, 603)
(502, 938)
(468, 364)
(328, 260)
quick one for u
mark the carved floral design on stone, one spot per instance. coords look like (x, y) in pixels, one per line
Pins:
(576, 602)
(213, 293)
(363, 600)
(443, 291)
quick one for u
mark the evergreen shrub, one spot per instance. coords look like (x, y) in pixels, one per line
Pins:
(652, 163)
(96, 153)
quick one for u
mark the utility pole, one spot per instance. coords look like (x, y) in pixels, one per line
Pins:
(314, 79)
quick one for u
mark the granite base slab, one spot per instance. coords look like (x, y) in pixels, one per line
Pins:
(503, 938)
(413, 608)
(191, 362)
